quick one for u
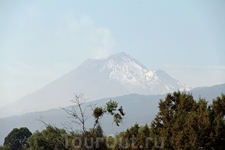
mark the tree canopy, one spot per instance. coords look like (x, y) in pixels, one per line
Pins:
(17, 138)
(181, 123)
(184, 123)
(50, 138)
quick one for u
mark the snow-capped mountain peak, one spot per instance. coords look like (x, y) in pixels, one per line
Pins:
(134, 76)
(117, 75)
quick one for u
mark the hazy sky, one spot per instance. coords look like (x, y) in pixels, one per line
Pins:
(43, 40)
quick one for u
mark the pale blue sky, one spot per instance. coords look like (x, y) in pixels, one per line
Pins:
(43, 40)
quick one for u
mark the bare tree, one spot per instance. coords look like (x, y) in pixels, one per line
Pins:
(81, 111)
(79, 116)
(77, 112)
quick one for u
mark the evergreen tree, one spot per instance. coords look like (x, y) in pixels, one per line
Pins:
(217, 114)
(170, 123)
(184, 123)
(144, 141)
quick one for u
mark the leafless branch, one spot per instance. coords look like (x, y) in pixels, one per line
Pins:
(78, 111)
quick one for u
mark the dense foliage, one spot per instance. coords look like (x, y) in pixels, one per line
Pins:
(17, 139)
(181, 123)
(188, 124)
(48, 139)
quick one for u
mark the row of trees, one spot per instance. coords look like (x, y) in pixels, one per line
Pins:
(54, 138)
(181, 123)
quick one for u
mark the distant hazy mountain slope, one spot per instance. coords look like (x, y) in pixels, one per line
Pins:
(209, 93)
(116, 75)
(138, 108)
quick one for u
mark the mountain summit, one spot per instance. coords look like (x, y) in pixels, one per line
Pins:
(136, 78)
(117, 75)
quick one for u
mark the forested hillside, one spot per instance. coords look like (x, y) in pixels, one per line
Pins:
(182, 122)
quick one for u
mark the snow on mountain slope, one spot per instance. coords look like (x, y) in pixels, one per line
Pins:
(117, 75)
(138, 79)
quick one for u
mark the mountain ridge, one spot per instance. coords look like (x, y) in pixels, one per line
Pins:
(116, 75)
(145, 106)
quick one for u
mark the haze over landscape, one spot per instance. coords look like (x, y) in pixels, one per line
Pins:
(130, 52)
(117, 75)
(41, 41)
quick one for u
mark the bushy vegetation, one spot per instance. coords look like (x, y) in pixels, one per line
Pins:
(17, 139)
(181, 123)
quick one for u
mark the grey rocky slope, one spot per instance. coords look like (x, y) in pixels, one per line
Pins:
(117, 75)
